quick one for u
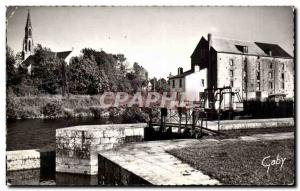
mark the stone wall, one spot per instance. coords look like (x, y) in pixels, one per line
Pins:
(22, 160)
(77, 147)
(245, 79)
(111, 174)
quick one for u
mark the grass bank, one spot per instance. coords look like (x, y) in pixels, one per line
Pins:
(73, 106)
(240, 163)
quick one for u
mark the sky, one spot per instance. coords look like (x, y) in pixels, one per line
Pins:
(161, 39)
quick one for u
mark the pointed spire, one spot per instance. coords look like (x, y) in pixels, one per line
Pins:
(28, 23)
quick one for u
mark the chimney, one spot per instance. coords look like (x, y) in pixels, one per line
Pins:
(197, 68)
(209, 39)
(270, 52)
(180, 70)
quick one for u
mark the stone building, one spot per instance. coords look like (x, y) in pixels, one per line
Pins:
(253, 69)
(27, 55)
(28, 46)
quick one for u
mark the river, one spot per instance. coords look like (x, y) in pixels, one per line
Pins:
(40, 134)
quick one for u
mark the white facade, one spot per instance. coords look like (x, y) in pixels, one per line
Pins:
(195, 83)
(190, 84)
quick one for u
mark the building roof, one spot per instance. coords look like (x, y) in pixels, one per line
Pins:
(254, 48)
(182, 75)
(28, 61)
(63, 55)
(276, 49)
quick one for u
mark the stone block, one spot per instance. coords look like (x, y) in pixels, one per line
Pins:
(22, 159)
(83, 142)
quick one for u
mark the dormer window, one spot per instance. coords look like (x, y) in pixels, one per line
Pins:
(243, 49)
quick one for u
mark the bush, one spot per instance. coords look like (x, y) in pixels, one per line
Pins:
(82, 112)
(68, 113)
(97, 111)
(52, 109)
(11, 109)
(269, 109)
(134, 115)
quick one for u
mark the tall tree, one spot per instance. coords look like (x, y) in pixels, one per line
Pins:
(11, 71)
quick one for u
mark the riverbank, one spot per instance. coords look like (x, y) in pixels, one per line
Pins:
(73, 106)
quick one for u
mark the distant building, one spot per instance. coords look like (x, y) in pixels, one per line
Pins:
(192, 82)
(253, 69)
(28, 48)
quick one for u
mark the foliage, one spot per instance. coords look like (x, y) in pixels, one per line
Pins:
(10, 67)
(160, 85)
(46, 71)
(134, 115)
(85, 77)
(53, 109)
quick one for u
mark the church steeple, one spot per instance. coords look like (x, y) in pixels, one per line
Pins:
(28, 48)
(28, 23)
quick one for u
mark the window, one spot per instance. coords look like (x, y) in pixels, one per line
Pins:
(245, 49)
(271, 85)
(258, 86)
(283, 67)
(282, 76)
(231, 62)
(270, 65)
(257, 75)
(270, 75)
(202, 82)
(282, 85)
(231, 73)
(231, 83)
(173, 84)
(258, 66)
(180, 83)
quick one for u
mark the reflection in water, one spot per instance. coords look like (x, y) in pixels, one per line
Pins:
(46, 175)
(35, 177)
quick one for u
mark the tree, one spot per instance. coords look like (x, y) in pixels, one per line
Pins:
(138, 77)
(86, 78)
(46, 72)
(11, 71)
(114, 67)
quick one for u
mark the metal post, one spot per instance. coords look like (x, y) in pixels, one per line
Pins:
(218, 121)
(201, 126)
(206, 119)
(161, 121)
(179, 129)
(193, 122)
